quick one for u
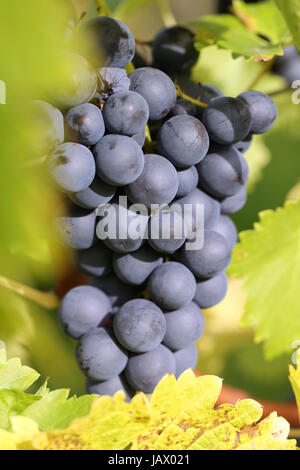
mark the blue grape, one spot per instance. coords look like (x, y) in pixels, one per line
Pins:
(117, 292)
(157, 184)
(96, 195)
(208, 93)
(82, 309)
(135, 268)
(173, 49)
(188, 181)
(99, 355)
(233, 204)
(227, 120)
(119, 159)
(186, 359)
(157, 89)
(126, 113)
(226, 227)
(212, 291)
(77, 230)
(195, 200)
(112, 80)
(84, 124)
(78, 84)
(109, 387)
(96, 261)
(144, 371)
(139, 325)
(121, 229)
(166, 231)
(263, 110)
(140, 138)
(108, 42)
(184, 326)
(183, 140)
(244, 145)
(171, 286)
(224, 172)
(213, 258)
(183, 106)
(46, 126)
(72, 167)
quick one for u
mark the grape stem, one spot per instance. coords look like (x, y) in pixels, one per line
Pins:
(47, 300)
(166, 13)
(183, 95)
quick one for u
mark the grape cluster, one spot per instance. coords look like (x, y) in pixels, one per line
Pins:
(140, 316)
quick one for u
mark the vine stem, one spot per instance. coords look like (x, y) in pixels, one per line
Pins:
(183, 95)
(47, 300)
(166, 13)
(267, 67)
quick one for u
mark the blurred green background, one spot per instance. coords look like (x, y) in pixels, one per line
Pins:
(31, 36)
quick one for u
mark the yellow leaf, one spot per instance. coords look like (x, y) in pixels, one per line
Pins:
(295, 380)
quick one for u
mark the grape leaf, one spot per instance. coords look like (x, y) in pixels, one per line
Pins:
(14, 376)
(228, 32)
(295, 380)
(267, 259)
(291, 11)
(13, 402)
(263, 18)
(127, 8)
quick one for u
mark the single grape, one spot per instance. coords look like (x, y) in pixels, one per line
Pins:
(188, 181)
(227, 120)
(77, 229)
(183, 140)
(157, 89)
(117, 292)
(186, 359)
(46, 126)
(125, 113)
(212, 259)
(72, 167)
(223, 172)
(119, 159)
(184, 326)
(76, 84)
(82, 309)
(166, 231)
(183, 106)
(121, 229)
(84, 124)
(144, 371)
(109, 387)
(112, 80)
(191, 204)
(263, 110)
(244, 145)
(139, 325)
(96, 195)
(157, 184)
(140, 138)
(107, 42)
(173, 49)
(226, 227)
(135, 268)
(212, 291)
(171, 286)
(99, 355)
(96, 261)
(233, 204)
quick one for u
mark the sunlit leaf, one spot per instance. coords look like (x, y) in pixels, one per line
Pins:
(291, 11)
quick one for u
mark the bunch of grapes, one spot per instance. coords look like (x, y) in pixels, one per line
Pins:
(141, 314)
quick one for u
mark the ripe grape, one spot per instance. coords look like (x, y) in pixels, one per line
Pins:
(96, 195)
(117, 292)
(212, 291)
(109, 387)
(77, 229)
(84, 124)
(186, 359)
(233, 204)
(166, 231)
(263, 110)
(96, 261)
(226, 227)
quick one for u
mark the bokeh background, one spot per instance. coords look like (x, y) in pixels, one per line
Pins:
(30, 36)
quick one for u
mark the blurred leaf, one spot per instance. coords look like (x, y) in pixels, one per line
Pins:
(258, 157)
(263, 18)
(295, 380)
(267, 259)
(228, 32)
(127, 8)
(291, 11)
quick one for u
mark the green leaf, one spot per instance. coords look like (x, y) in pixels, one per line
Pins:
(13, 403)
(228, 32)
(55, 411)
(291, 11)
(263, 18)
(127, 8)
(14, 376)
(267, 258)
